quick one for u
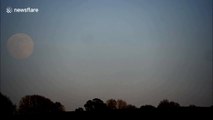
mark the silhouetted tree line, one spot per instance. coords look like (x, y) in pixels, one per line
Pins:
(30, 104)
(36, 104)
(97, 105)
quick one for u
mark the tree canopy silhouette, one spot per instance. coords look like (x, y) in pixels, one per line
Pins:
(111, 104)
(7, 107)
(95, 105)
(79, 109)
(58, 107)
(130, 107)
(38, 104)
(121, 104)
(147, 108)
(166, 104)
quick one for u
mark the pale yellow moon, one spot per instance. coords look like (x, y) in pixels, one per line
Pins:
(20, 46)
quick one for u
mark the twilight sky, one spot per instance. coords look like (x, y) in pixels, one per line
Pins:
(141, 51)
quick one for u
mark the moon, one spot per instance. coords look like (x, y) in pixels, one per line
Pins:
(20, 46)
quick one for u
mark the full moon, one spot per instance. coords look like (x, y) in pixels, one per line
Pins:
(20, 46)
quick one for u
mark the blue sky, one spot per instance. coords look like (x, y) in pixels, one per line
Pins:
(141, 51)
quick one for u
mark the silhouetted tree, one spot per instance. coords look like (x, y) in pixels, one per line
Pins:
(111, 104)
(121, 104)
(166, 104)
(174, 104)
(79, 109)
(38, 104)
(58, 107)
(130, 108)
(6, 106)
(95, 105)
(147, 108)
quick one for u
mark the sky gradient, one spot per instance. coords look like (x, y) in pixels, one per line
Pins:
(141, 51)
